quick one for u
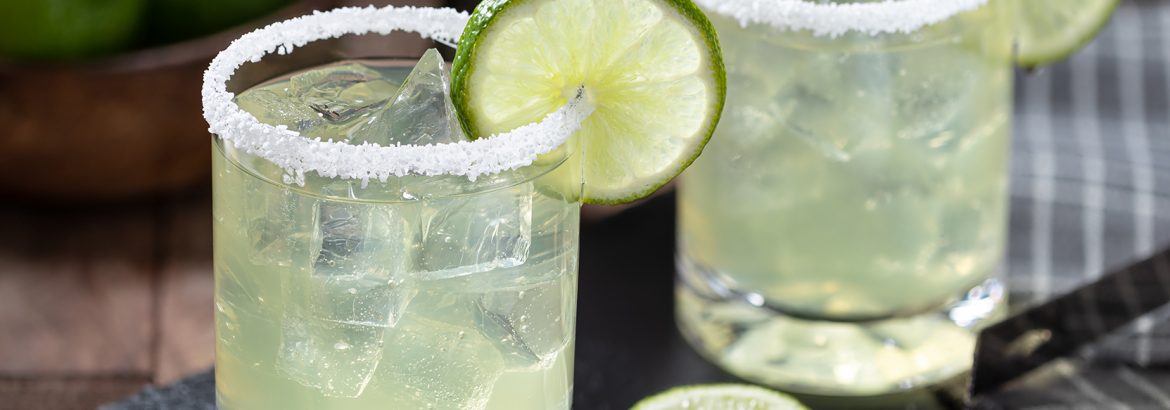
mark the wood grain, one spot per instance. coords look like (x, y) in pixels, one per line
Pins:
(66, 393)
(186, 341)
(75, 291)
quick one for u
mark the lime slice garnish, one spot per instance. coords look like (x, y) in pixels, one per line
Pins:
(1050, 30)
(651, 69)
(719, 397)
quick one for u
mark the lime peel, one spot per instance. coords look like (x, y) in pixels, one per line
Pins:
(1051, 30)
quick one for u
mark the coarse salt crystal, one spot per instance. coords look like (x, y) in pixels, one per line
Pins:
(832, 20)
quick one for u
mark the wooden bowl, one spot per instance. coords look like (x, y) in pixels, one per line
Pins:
(122, 127)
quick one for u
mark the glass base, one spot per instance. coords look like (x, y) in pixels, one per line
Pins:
(830, 358)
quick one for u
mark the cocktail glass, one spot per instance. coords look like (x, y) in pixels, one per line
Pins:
(355, 276)
(843, 231)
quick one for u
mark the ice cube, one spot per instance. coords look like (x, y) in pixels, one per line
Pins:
(272, 105)
(462, 235)
(358, 286)
(838, 105)
(430, 364)
(361, 265)
(272, 217)
(323, 103)
(330, 80)
(342, 231)
(420, 114)
(342, 94)
(531, 324)
(337, 359)
(372, 301)
(930, 92)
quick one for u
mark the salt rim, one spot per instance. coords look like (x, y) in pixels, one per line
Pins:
(296, 154)
(889, 16)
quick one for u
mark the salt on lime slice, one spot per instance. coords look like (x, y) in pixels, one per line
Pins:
(651, 69)
(1051, 30)
(719, 397)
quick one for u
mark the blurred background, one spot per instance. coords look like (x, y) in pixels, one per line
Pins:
(99, 99)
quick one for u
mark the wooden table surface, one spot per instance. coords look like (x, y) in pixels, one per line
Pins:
(98, 302)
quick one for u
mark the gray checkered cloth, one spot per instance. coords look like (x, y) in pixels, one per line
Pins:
(1091, 191)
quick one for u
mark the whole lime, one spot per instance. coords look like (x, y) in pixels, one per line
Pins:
(67, 29)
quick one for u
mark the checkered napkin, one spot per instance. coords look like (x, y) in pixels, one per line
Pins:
(1091, 191)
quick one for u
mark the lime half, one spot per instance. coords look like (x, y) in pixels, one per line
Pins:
(719, 397)
(651, 69)
(1051, 30)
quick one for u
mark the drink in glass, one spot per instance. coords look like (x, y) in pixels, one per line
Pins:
(425, 292)
(412, 291)
(843, 231)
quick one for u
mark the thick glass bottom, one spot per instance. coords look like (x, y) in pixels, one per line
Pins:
(752, 340)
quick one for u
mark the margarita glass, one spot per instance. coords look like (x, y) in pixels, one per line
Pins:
(843, 233)
(427, 289)
(389, 237)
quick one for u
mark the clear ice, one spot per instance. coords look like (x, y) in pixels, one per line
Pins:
(323, 103)
(463, 235)
(434, 365)
(361, 272)
(529, 324)
(420, 114)
(358, 287)
(271, 226)
(359, 104)
(338, 359)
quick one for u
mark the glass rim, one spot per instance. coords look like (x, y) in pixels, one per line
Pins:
(297, 154)
(836, 19)
(393, 194)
